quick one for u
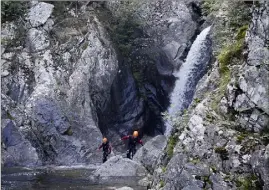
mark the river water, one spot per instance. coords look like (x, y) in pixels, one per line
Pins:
(57, 178)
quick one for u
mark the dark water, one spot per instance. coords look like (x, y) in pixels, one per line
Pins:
(61, 179)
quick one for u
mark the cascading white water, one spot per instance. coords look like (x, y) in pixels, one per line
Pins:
(188, 75)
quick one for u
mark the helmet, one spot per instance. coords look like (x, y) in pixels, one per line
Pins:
(135, 134)
(104, 140)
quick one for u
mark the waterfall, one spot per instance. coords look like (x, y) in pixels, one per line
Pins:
(188, 76)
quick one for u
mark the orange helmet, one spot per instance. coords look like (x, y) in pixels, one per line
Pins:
(135, 134)
(104, 140)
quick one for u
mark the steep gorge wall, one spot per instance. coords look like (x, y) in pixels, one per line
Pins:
(49, 85)
(68, 78)
(221, 142)
(152, 39)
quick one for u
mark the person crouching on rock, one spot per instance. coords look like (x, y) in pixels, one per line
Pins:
(133, 139)
(106, 149)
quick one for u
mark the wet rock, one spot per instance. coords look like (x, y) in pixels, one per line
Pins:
(117, 166)
(125, 188)
(39, 14)
(149, 154)
(17, 150)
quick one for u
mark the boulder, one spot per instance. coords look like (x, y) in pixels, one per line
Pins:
(39, 14)
(254, 85)
(150, 153)
(120, 167)
(17, 151)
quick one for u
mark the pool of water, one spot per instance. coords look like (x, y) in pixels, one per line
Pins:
(61, 179)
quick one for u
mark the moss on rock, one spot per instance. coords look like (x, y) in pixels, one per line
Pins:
(171, 145)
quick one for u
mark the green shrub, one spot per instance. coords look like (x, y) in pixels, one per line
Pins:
(241, 32)
(214, 169)
(225, 57)
(161, 183)
(240, 137)
(197, 100)
(209, 6)
(248, 182)
(68, 132)
(239, 15)
(11, 10)
(171, 145)
(10, 116)
(233, 50)
(229, 52)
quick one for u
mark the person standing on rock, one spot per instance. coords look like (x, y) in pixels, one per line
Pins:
(106, 149)
(133, 139)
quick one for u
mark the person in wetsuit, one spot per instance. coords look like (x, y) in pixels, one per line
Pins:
(106, 149)
(133, 140)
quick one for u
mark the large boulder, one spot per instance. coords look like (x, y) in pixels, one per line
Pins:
(150, 153)
(16, 150)
(39, 14)
(120, 167)
(118, 170)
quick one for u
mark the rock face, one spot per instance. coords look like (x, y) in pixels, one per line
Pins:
(253, 100)
(260, 164)
(141, 90)
(66, 84)
(54, 83)
(17, 150)
(224, 145)
(151, 152)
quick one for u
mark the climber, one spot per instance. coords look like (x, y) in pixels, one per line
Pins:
(133, 139)
(106, 149)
